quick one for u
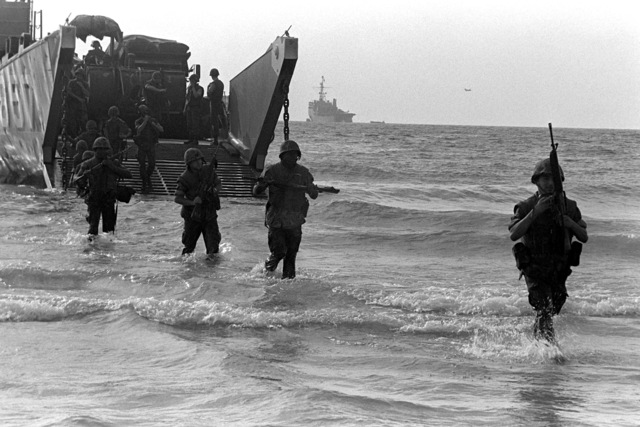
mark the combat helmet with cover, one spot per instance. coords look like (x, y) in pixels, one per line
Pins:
(290, 145)
(101, 142)
(544, 167)
(193, 154)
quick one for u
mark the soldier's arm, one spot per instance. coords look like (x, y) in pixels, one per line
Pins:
(181, 197)
(577, 228)
(261, 184)
(157, 125)
(312, 189)
(520, 223)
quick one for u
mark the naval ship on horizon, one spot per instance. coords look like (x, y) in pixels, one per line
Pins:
(323, 111)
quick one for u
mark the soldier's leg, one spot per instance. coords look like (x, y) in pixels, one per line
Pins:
(293, 239)
(190, 235)
(189, 112)
(142, 168)
(108, 217)
(278, 247)
(559, 294)
(93, 218)
(215, 121)
(212, 236)
(541, 300)
(151, 156)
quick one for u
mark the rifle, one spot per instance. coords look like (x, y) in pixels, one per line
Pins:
(321, 189)
(558, 194)
(111, 157)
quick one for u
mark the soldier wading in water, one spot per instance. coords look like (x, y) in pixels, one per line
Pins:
(543, 257)
(197, 192)
(288, 182)
(100, 176)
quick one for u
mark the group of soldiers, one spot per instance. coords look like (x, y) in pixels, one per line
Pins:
(545, 223)
(148, 126)
(198, 189)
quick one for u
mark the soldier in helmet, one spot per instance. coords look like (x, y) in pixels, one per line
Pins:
(155, 95)
(147, 131)
(197, 192)
(76, 103)
(100, 176)
(288, 182)
(193, 108)
(545, 265)
(116, 130)
(215, 92)
(95, 56)
(90, 134)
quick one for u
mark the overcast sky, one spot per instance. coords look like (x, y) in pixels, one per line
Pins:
(527, 63)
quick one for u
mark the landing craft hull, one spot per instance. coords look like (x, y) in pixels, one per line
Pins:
(30, 108)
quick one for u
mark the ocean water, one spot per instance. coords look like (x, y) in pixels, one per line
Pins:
(407, 309)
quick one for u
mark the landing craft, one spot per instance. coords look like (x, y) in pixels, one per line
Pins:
(34, 74)
(467, 90)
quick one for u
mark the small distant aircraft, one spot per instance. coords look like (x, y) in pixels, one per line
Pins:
(467, 90)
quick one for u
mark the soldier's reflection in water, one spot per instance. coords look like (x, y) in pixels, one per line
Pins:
(549, 397)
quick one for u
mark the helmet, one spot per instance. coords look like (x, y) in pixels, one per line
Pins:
(81, 145)
(91, 124)
(214, 72)
(101, 142)
(289, 145)
(194, 77)
(113, 111)
(87, 155)
(96, 44)
(192, 154)
(544, 167)
(156, 75)
(143, 109)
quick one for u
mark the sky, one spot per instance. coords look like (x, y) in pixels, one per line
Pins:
(527, 63)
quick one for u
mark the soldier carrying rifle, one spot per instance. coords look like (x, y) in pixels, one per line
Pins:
(288, 182)
(197, 192)
(100, 175)
(547, 222)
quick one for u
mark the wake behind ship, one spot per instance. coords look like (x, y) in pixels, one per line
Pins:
(323, 111)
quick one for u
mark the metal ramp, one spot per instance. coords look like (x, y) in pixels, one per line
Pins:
(165, 178)
(231, 171)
